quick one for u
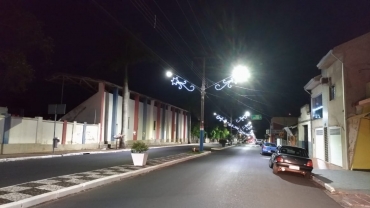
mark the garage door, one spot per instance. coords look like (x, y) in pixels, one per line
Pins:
(335, 146)
(319, 144)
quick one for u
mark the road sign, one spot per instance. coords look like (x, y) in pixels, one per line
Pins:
(256, 117)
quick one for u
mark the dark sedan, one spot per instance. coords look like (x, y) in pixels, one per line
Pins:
(291, 159)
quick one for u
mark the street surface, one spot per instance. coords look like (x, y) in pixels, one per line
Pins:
(233, 177)
(17, 172)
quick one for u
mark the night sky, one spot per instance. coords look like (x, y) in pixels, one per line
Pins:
(281, 41)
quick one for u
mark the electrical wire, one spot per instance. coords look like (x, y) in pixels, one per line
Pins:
(131, 34)
(174, 27)
(199, 26)
(191, 26)
(146, 12)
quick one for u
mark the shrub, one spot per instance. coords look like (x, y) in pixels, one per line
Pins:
(139, 147)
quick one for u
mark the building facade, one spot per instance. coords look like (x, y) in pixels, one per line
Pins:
(335, 93)
(149, 119)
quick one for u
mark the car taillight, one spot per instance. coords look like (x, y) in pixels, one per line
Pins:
(279, 159)
(309, 163)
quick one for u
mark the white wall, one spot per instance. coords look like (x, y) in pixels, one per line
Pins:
(91, 135)
(23, 131)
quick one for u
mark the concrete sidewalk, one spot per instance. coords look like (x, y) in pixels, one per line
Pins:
(351, 187)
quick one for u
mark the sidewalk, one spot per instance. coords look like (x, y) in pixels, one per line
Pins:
(350, 187)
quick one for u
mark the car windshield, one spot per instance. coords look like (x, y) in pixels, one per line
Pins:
(294, 151)
(270, 144)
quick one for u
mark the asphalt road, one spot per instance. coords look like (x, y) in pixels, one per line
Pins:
(234, 177)
(12, 173)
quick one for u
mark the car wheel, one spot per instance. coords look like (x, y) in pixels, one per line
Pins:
(307, 174)
(275, 169)
(270, 163)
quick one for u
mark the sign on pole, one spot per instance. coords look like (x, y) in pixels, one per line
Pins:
(256, 117)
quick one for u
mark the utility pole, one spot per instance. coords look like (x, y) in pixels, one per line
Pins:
(203, 92)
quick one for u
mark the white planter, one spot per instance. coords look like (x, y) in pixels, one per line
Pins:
(139, 159)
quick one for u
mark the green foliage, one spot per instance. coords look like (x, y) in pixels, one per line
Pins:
(139, 147)
(219, 132)
(195, 130)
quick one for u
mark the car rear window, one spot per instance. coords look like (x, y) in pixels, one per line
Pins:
(294, 151)
(270, 144)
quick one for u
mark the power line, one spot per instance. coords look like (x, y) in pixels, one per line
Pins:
(174, 27)
(132, 34)
(164, 33)
(199, 25)
(191, 26)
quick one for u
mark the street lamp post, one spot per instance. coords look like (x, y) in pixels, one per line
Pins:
(203, 92)
(240, 74)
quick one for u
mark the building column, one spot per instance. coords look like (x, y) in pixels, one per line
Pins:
(163, 124)
(158, 120)
(151, 120)
(114, 114)
(102, 109)
(189, 127)
(145, 115)
(84, 133)
(177, 125)
(136, 117)
(39, 130)
(173, 128)
(64, 132)
(184, 135)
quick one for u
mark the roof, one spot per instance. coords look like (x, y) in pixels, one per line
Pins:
(313, 83)
(92, 85)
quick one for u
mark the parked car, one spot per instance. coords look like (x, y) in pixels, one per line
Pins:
(291, 159)
(268, 148)
(258, 141)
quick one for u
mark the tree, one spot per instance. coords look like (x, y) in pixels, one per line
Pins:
(219, 133)
(23, 45)
(195, 130)
(123, 52)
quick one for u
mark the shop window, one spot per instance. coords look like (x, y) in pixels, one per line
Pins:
(317, 107)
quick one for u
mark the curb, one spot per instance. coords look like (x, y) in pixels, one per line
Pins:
(79, 153)
(32, 201)
(221, 148)
(328, 187)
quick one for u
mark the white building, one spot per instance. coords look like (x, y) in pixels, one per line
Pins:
(335, 93)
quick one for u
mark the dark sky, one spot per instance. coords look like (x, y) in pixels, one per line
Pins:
(280, 41)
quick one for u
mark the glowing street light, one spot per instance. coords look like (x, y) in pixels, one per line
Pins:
(247, 113)
(169, 74)
(240, 74)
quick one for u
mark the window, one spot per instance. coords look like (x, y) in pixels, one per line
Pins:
(294, 151)
(154, 125)
(317, 107)
(332, 92)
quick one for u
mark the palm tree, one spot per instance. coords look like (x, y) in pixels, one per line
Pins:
(122, 54)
